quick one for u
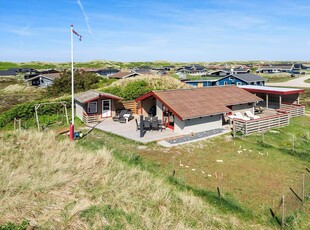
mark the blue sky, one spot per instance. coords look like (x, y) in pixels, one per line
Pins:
(173, 30)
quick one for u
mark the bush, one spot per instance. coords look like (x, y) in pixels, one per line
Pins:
(26, 111)
(82, 81)
(131, 90)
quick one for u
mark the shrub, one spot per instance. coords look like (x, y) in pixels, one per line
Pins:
(82, 81)
(26, 111)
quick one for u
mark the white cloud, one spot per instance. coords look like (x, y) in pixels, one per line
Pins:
(85, 16)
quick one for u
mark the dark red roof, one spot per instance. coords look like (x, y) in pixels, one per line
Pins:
(200, 102)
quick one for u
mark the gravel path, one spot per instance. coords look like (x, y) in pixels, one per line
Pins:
(297, 82)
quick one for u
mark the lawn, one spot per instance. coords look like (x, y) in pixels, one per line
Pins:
(255, 171)
(277, 77)
(308, 80)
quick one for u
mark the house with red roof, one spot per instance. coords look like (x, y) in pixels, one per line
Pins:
(93, 106)
(197, 109)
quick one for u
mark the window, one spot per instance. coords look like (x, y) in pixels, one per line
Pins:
(231, 78)
(92, 107)
(238, 83)
(225, 83)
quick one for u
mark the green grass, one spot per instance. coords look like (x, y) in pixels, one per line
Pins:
(271, 162)
(308, 80)
(277, 78)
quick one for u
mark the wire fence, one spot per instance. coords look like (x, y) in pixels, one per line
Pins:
(291, 201)
(285, 207)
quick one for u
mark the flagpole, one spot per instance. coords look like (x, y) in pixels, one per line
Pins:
(72, 88)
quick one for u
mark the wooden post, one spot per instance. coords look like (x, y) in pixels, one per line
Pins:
(283, 217)
(280, 101)
(219, 192)
(298, 100)
(267, 104)
(303, 188)
(14, 123)
(19, 124)
(66, 113)
(37, 118)
(141, 126)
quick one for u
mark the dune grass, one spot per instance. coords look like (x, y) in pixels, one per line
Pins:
(53, 183)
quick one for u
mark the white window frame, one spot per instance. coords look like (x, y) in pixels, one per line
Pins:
(88, 107)
(238, 83)
(225, 82)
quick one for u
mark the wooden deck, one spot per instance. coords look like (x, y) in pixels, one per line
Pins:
(268, 120)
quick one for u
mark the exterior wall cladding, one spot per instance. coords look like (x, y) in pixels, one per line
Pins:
(198, 124)
(229, 81)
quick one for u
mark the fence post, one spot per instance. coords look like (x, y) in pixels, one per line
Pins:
(283, 217)
(303, 188)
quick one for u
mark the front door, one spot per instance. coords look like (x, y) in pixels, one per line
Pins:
(106, 108)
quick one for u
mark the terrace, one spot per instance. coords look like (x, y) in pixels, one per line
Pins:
(269, 119)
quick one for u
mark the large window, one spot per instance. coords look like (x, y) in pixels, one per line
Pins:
(92, 107)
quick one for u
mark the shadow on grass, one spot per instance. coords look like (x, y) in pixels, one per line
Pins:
(225, 204)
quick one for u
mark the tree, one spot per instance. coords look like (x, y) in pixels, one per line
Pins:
(82, 81)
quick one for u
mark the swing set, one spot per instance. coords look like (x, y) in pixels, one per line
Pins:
(49, 122)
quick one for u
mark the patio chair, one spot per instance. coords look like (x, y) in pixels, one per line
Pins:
(120, 115)
(155, 125)
(137, 124)
(240, 116)
(147, 125)
(126, 117)
(250, 115)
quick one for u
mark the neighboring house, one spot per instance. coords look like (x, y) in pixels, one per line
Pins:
(232, 79)
(276, 69)
(107, 72)
(122, 75)
(193, 70)
(9, 72)
(224, 72)
(95, 106)
(14, 71)
(217, 73)
(36, 73)
(197, 109)
(100, 71)
(43, 80)
(275, 97)
(201, 83)
(242, 79)
(143, 71)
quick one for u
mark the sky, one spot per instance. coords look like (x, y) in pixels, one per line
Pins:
(145, 30)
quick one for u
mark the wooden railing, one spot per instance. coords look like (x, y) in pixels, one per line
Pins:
(261, 124)
(131, 105)
(293, 110)
(87, 119)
